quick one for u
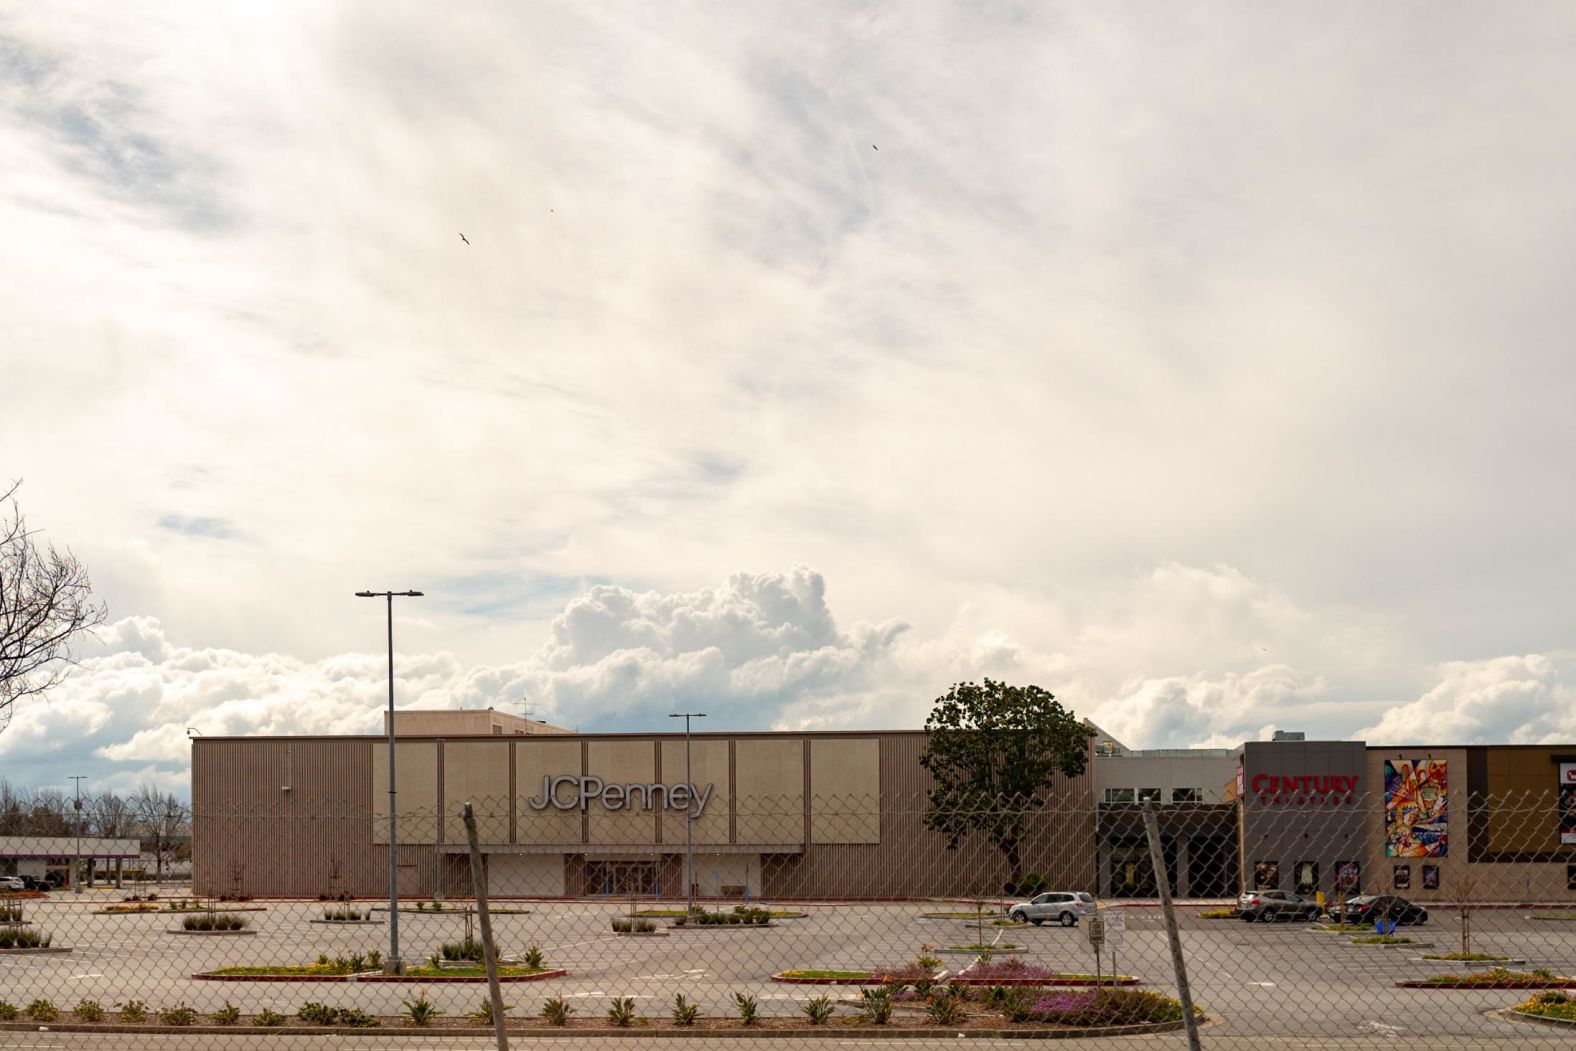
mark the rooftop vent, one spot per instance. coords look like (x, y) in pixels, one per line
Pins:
(1290, 735)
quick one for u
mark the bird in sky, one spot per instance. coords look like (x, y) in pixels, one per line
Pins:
(873, 146)
(467, 240)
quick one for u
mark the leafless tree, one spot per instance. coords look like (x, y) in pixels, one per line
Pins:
(163, 819)
(1463, 892)
(111, 816)
(46, 601)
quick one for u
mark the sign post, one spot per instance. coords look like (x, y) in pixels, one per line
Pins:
(1115, 928)
(1096, 933)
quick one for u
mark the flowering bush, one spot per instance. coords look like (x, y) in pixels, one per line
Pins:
(1094, 1007)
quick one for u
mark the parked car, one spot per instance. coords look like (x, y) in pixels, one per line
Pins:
(1065, 907)
(34, 882)
(12, 883)
(1367, 908)
(1267, 906)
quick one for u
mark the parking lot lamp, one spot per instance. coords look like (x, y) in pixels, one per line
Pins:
(689, 810)
(393, 965)
(76, 860)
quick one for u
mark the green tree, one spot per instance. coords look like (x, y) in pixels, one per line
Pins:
(993, 751)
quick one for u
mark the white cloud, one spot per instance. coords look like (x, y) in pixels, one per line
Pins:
(1525, 699)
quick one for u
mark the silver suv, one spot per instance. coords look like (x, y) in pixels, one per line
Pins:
(1065, 907)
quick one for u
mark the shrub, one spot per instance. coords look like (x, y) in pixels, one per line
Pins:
(216, 921)
(632, 925)
(343, 915)
(1550, 1004)
(876, 1005)
(8, 1011)
(557, 1011)
(464, 949)
(819, 1010)
(133, 1011)
(534, 957)
(229, 1014)
(22, 938)
(10, 913)
(355, 1016)
(944, 1008)
(484, 1013)
(685, 1011)
(42, 1011)
(181, 1015)
(421, 1009)
(314, 1013)
(89, 1010)
(1096, 1007)
(621, 1012)
(268, 1018)
(747, 1007)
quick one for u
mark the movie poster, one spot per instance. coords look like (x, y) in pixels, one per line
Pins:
(1568, 803)
(1416, 819)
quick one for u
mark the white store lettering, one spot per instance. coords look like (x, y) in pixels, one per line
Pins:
(569, 792)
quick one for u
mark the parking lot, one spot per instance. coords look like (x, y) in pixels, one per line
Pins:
(1281, 982)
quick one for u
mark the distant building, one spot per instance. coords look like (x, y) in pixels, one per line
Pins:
(46, 857)
(465, 722)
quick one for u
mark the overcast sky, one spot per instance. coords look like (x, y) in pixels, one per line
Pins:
(1207, 365)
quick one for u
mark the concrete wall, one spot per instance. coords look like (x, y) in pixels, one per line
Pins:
(1165, 770)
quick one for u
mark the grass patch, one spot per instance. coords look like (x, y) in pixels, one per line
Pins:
(999, 947)
(1551, 1004)
(1466, 957)
(1382, 939)
(840, 975)
(504, 971)
(1343, 928)
(1497, 976)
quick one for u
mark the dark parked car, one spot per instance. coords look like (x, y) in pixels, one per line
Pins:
(1367, 908)
(1270, 905)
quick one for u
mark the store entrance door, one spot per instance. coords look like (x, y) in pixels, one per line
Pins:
(622, 879)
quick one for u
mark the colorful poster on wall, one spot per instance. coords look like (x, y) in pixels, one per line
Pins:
(1568, 803)
(1416, 819)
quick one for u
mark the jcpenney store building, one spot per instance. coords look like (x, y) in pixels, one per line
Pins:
(809, 815)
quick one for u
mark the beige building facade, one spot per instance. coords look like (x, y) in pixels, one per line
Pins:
(776, 815)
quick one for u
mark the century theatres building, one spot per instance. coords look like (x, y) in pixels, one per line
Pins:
(841, 815)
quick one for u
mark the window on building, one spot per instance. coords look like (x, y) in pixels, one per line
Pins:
(1348, 877)
(1151, 795)
(1187, 795)
(1307, 873)
(1118, 795)
(1401, 877)
(1266, 875)
(1430, 877)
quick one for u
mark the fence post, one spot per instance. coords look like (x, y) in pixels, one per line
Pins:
(1157, 861)
(489, 955)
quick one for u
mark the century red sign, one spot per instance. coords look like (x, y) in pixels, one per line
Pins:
(1305, 788)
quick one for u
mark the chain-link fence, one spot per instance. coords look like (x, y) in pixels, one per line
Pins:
(847, 920)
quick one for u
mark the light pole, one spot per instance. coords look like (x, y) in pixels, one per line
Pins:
(393, 965)
(689, 842)
(76, 861)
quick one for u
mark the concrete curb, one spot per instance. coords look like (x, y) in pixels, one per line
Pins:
(431, 979)
(794, 1032)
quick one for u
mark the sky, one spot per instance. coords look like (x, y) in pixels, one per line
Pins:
(1208, 365)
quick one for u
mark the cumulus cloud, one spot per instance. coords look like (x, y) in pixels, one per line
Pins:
(1525, 699)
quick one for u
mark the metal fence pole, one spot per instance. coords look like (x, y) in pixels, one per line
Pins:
(489, 955)
(1163, 880)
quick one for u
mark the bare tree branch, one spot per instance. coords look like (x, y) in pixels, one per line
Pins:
(46, 601)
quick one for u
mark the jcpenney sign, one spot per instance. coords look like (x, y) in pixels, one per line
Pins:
(572, 792)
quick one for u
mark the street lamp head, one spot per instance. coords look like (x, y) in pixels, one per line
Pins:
(366, 594)
(412, 594)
